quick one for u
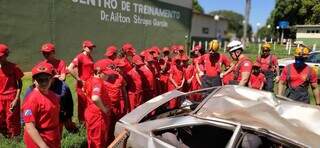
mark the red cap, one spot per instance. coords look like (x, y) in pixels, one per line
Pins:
(42, 68)
(137, 60)
(48, 47)
(3, 49)
(128, 47)
(119, 62)
(110, 51)
(88, 43)
(164, 49)
(143, 53)
(148, 58)
(100, 66)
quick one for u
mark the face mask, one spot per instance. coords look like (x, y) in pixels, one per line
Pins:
(256, 71)
(43, 81)
(299, 62)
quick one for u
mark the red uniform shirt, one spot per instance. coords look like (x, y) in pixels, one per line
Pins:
(96, 86)
(128, 65)
(298, 78)
(257, 80)
(177, 75)
(266, 64)
(58, 65)
(134, 81)
(114, 84)
(43, 110)
(148, 79)
(213, 68)
(85, 66)
(9, 74)
(245, 66)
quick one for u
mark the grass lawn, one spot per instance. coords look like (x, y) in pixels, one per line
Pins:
(79, 139)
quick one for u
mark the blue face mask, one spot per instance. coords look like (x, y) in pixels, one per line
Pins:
(299, 62)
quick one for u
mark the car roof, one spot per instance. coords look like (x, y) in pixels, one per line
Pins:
(262, 110)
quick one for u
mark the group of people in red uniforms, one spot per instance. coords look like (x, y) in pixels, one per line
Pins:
(111, 87)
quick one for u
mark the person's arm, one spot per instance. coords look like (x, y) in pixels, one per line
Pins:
(315, 90)
(249, 84)
(34, 134)
(62, 77)
(13, 104)
(172, 80)
(262, 84)
(190, 80)
(244, 78)
(125, 97)
(98, 102)
(182, 83)
(228, 71)
(281, 86)
(198, 79)
(73, 72)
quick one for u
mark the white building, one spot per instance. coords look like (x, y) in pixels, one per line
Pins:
(308, 34)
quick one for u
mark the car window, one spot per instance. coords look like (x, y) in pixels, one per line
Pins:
(202, 136)
(314, 58)
(251, 139)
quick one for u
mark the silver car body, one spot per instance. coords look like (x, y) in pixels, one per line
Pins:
(230, 107)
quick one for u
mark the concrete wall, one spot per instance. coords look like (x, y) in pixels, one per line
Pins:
(203, 21)
(308, 32)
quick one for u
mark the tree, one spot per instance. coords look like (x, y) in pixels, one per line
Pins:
(235, 22)
(197, 7)
(296, 12)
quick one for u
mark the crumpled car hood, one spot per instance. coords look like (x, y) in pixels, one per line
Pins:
(262, 110)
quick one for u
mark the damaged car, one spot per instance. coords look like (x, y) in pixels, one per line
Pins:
(229, 116)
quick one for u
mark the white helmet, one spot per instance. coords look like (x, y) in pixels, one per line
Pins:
(234, 45)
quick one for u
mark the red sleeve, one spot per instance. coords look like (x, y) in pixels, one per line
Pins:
(274, 60)
(283, 76)
(225, 60)
(314, 77)
(62, 67)
(200, 59)
(29, 109)
(76, 60)
(246, 66)
(18, 73)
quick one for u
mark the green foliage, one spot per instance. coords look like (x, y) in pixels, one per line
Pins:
(296, 12)
(197, 7)
(235, 22)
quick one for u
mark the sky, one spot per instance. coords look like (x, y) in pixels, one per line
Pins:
(260, 9)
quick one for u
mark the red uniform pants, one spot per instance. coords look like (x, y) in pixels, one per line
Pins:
(135, 100)
(99, 129)
(9, 121)
(81, 102)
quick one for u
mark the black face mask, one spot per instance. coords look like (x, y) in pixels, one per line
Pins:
(300, 61)
(43, 80)
(256, 70)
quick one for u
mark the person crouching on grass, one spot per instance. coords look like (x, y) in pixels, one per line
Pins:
(257, 78)
(98, 114)
(41, 111)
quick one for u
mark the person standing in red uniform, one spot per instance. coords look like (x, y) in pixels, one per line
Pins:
(269, 67)
(98, 114)
(243, 66)
(60, 87)
(10, 88)
(41, 111)
(165, 63)
(83, 62)
(257, 78)
(297, 77)
(212, 66)
(134, 81)
(176, 80)
(148, 79)
(128, 51)
(192, 75)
